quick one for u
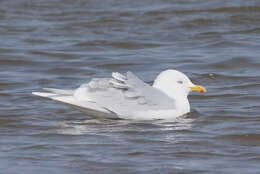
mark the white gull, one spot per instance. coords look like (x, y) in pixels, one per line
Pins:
(128, 97)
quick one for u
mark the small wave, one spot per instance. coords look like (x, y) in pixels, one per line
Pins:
(55, 54)
(120, 44)
(255, 30)
(242, 137)
(236, 9)
(168, 10)
(227, 76)
(17, 62)
(235, 62)
(223, 95)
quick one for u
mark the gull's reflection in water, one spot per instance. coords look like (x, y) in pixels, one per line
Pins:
(89, 126)
(156, 130)
(173, 130)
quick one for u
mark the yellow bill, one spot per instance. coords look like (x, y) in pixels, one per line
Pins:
(198, 88)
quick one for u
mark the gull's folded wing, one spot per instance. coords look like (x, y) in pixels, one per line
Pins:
(124, 95)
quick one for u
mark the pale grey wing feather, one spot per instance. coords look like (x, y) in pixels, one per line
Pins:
(151, 95)
(124, 95)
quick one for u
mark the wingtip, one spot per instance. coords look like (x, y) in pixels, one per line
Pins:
(43, 94)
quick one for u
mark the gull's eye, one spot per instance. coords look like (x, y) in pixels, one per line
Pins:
(180, 82)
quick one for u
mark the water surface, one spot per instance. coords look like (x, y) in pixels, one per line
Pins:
(64, 43)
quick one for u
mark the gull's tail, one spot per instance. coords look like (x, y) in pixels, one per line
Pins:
(67, 97)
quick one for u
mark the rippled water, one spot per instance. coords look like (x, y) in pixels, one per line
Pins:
(63, 43)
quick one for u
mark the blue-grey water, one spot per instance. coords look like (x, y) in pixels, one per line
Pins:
(64, 43)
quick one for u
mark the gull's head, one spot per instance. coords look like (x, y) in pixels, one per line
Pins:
(175, 82)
